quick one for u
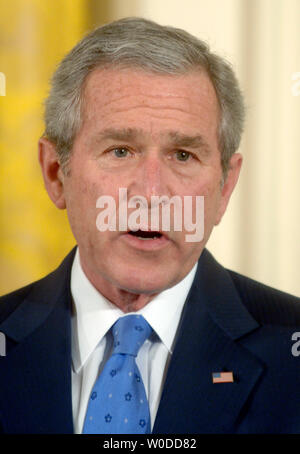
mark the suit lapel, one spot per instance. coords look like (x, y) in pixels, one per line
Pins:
(35, 378)
(212, 322)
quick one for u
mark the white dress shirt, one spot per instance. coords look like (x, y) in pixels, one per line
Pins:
(94, 315)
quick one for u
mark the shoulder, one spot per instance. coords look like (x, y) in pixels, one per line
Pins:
(10, 301)
(50, 287)
(266, 304)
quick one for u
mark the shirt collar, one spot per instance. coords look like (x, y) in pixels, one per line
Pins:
(94, 314)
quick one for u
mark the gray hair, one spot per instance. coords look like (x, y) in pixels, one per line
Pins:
(139, 43)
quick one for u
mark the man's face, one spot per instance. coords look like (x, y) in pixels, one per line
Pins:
(155, 135)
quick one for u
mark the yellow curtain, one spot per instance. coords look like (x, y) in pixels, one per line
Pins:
(34, 36)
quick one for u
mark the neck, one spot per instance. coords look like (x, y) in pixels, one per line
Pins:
(129, 302)
(124, 299)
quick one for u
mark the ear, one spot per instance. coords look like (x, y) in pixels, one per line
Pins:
(52, 172)
(229, 184)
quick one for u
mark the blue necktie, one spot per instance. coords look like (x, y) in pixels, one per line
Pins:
(118, 402)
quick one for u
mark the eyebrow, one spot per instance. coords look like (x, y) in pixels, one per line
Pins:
(118, 134)
(183, 140)
(175, 138)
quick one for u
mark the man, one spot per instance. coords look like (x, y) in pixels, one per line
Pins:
(151, 110)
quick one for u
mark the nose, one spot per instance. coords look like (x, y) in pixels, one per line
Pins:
(151, 176)
(151, 186)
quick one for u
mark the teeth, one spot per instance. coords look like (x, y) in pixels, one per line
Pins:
(142, 238)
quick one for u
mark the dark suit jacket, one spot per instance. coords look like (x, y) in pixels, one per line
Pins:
(229, 323)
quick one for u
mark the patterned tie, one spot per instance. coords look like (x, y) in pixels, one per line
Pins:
(118, 402)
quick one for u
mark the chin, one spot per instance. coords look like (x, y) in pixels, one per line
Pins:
(144, 284)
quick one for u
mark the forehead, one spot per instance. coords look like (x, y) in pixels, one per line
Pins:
(125, 97)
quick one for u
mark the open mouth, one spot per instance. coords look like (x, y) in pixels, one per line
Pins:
(146, 240)
(145, 235)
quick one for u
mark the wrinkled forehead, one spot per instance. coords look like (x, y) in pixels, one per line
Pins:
(106, 86)
(126, 99)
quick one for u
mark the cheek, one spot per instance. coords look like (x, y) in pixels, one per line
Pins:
(211, 210)
(208, 187)
(212, 199)
(80, 202)
(77, 193)
(85, 187)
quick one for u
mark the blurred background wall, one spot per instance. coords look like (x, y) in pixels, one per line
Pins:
(259, 235)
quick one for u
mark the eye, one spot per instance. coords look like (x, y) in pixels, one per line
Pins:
(120, 152)
(182, 155)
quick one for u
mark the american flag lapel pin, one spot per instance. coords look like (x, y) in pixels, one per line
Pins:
(222, 377)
